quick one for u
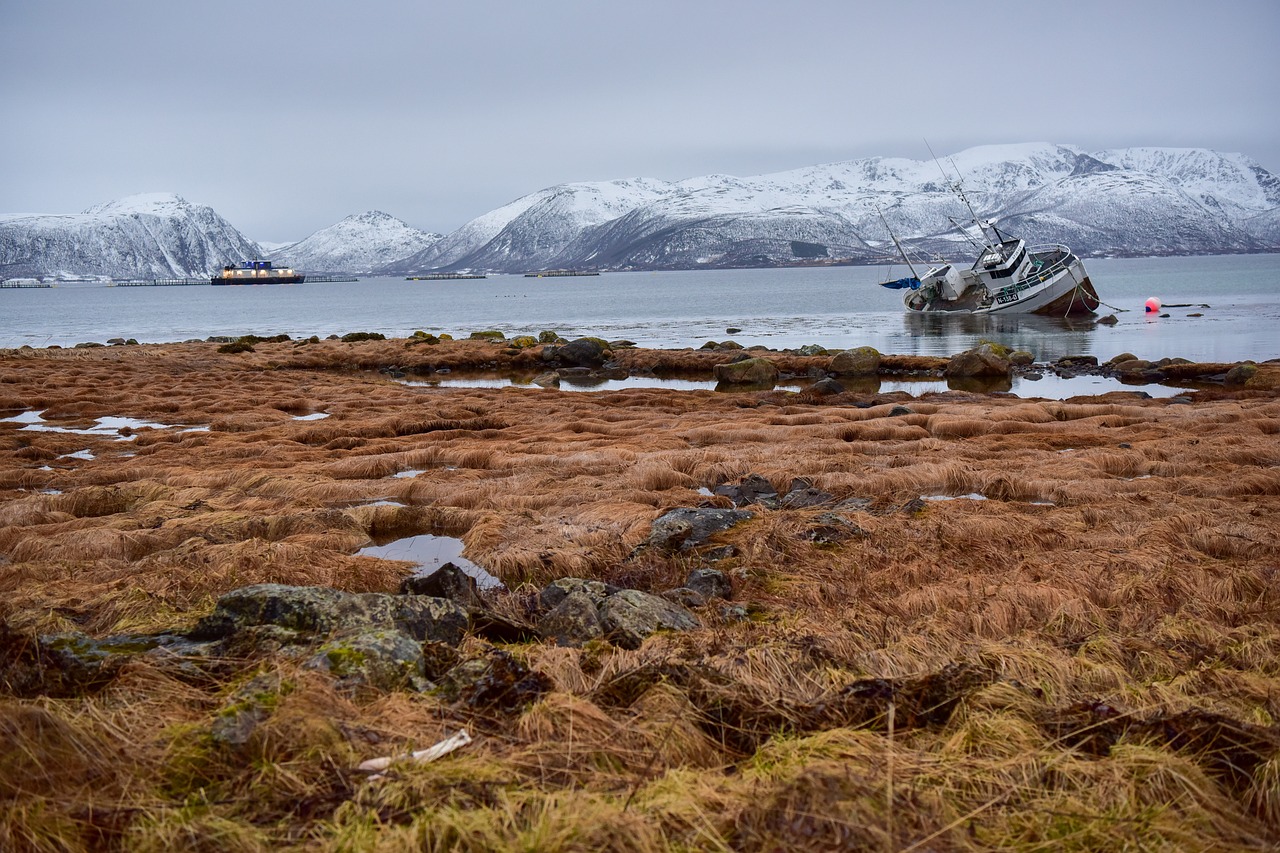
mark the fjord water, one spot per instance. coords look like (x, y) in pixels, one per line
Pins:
(835, 307)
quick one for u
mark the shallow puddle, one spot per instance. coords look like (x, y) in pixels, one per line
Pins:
(431, 552)
(314, 416)
(1049, 386)
(108, 425)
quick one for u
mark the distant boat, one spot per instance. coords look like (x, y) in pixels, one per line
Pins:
(257, 272)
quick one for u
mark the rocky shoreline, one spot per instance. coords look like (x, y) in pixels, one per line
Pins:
(752, 618)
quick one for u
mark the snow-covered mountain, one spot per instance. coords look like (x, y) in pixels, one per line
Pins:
(1138, 201)
(358, 244)
(154, 235)
(1130, 201)
(523, 234)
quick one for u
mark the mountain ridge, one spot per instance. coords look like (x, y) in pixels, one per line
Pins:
(1131, 201)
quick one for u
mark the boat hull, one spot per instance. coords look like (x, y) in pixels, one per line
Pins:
(1063, 290)
(1068, 294)
(264, 279)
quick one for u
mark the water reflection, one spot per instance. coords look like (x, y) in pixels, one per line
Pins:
(1047, 338)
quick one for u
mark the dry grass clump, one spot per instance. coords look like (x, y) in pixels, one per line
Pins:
(1085, 659)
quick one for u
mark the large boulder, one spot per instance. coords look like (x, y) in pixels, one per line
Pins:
(301, 609)
(584, 352)
(573, 621)
(629, 616)
(861, 361)
(986, 359)
(1241, 373)
(756, 372)
(310, 612)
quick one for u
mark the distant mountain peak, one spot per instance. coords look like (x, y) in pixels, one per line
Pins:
(359, 243)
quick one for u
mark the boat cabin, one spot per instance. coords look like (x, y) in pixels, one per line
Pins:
(1006, 260)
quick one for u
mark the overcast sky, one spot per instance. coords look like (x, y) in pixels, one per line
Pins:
(287, 115)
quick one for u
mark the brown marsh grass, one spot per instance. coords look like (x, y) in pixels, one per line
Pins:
(1086, 659)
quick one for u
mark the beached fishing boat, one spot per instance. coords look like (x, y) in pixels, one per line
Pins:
(1008, 277)
(257, 272)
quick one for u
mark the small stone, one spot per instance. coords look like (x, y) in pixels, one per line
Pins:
(826, 388)
(684, 597)
(448, 582)
(558, 590)
(709, 583)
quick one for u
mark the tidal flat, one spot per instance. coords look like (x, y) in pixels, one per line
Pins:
(727, 620)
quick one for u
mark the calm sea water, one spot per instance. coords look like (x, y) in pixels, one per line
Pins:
(834, 307)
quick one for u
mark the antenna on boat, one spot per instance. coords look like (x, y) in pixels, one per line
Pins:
(957, 186)
(965, 234)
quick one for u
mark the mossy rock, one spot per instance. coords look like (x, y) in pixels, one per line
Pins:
(236, 347)
(756, 372)
(524, 341)
(488, 335)
(383, 659)
(998, 348)
(1021, 357)
(986, 359)
(1241, 373)
(860, 361)
(548, 336)
(352, 337)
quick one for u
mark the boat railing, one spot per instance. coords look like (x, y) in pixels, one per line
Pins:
(1038, 275)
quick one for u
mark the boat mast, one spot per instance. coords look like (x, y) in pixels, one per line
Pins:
(957, 187)
(894, 238)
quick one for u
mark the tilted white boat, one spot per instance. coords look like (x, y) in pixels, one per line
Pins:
(1007, 278)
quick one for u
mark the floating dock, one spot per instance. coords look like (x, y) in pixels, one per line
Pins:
(25, 284)
(559, 273)
(161, 282)
(442, 276)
